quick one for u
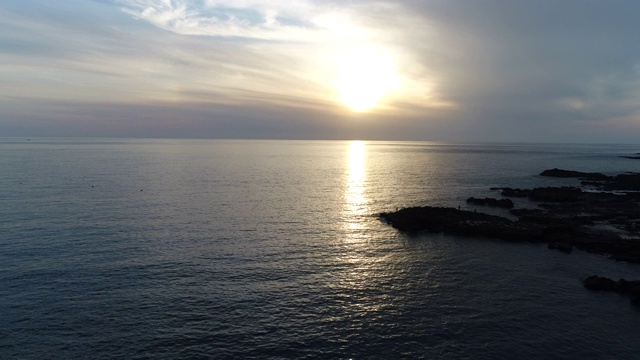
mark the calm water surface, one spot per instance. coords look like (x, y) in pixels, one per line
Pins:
(188, 249)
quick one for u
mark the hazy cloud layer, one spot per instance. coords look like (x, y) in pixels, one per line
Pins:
(469, 70)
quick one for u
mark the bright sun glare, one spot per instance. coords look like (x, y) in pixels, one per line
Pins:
(366, 76)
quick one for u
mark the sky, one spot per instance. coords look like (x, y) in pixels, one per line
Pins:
(446, 70)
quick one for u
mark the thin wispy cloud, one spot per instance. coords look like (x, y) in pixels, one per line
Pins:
(299, 21)
(311, 37)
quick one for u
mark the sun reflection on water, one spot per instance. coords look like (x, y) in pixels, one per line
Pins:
(356, 249)
(360, 284)
(355, 198)
(354, 244)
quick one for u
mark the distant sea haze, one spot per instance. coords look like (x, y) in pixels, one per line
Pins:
(221, 249)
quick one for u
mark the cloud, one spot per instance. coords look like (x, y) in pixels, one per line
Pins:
(486, 69)
(311, 37)
(303, 21)
(537, 65)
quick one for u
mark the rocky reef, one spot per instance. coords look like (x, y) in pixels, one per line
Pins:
(627, 181)
(602, 216)
(574, 174)
(603, 222)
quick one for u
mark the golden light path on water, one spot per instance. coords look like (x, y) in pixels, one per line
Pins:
(358, 277)
(367, 270)
(355, 199)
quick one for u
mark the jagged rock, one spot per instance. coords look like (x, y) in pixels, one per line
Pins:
(501, 203)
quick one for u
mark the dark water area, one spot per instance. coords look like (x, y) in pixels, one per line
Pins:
(198, 249)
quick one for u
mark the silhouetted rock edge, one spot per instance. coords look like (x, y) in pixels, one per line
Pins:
(567, 217)
(622, 286)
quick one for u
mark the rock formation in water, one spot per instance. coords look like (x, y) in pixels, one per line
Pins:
(622, 286)
(574, 174)
(634, 157)
(566, 217)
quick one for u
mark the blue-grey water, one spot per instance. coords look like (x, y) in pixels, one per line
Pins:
(211, 249)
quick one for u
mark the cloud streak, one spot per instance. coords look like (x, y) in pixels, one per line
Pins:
(248, 19)
(289, 21)
(310, 36)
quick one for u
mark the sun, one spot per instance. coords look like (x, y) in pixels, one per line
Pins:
(366, 75)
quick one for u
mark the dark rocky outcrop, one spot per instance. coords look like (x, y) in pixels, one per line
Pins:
(574, 174)
(460, 222)
(566, 218)
(634, 157)
(555, 194)
(448, 220)
(518, 193)
(622, 286)
(500, 203)
(629, 181)
(560, 231)
(605, 222)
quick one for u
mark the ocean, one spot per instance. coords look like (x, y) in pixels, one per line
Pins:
(254, 249)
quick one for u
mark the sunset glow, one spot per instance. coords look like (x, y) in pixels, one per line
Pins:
(366, 76)
(306, 69)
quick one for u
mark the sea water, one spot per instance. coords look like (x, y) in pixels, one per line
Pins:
(221, 249)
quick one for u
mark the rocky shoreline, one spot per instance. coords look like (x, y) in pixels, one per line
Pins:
(606, 221)
(601, 216)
